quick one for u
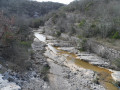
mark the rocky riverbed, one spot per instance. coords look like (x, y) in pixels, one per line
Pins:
(67, 76)
(64, 75)
(57, 65)
(67, 55)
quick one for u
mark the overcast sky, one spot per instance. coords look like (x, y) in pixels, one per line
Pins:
(60, 1)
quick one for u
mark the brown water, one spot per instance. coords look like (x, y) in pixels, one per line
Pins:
(105, 77)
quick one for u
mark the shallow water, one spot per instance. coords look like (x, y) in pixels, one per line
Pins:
(105, 77)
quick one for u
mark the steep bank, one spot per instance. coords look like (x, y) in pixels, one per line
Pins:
(110, 53)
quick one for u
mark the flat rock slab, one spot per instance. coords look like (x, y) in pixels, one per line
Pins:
(66, 48)
(116, 75)
(41, 37)
(92, 58)
(52, 48)
(61, 44)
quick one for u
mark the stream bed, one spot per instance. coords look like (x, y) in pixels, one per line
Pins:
(105, 77)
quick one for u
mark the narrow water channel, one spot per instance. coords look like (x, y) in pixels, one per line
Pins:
(105, 77)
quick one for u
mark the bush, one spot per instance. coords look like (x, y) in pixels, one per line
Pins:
(16, 54)
(88, 6)
(45, 69)
(8, 38)
(57, 33)
(7, 32)
(82, 22)
(23, 29)
(44, 72)
(116, 35)
(82, 46)
(36, 23)
(26, 43)
(93, 26)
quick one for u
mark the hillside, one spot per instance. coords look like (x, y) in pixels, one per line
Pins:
(16, 17)
(27, 8)
(89, 18)
(95, 24)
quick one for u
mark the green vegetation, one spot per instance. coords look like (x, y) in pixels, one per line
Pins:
(81, 23)
(44, 72)
(36, 23)
(82, 46)
(88, 6)
(58, 33)
(93, 26)
(26, 43)
(116, 35)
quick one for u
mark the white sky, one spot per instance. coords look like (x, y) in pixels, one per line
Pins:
(60, 1)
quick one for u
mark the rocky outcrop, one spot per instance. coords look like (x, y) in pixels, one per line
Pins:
(86, 56)
(40, 37)
(102, 50)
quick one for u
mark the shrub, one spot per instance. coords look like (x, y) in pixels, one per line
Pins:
(57, 33)
(6, 24)
(82, 46)
(45, 69)
(36, 23)
(8, 38)
(44, 72)
(88, 6)
(72, 30)
(93, 26)
(16, 54)
(79, 36)
(23, 29)
(93, 31)
(116, 35)
(82, 22)
(26, 43)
